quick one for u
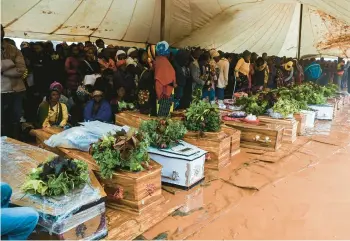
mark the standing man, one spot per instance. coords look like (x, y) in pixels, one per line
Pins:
(13, 73)
(224, 67)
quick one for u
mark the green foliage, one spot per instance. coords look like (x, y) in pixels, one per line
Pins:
(127, 151)
(125, 106)
(252, 105)
(56, 176)
(287, 100)
(163, 133)
(202, 116)
(286, 106)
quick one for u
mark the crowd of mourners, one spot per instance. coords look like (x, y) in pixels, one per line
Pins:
(68, 84)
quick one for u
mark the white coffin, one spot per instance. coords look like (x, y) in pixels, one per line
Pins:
(183, 165)
(323, 112)
(309, 118)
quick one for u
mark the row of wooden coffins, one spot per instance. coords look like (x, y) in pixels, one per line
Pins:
(81, 213)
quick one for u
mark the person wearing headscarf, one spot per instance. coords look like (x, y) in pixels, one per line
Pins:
(313, 71)
(165, 79)
(126, 76)
(63, 99)
(51, 112)
(98, 109)
(261, 75)
(288, 72)
(242, 72)
(120, 55)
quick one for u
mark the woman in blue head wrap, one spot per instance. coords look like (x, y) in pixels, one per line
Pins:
(165, 80)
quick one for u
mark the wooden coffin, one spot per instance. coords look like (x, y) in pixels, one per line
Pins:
(235, 139)
(131, 118)
(266, 137)
(183, 165)
(290, 127)
(77, 215)
(140, 190)
(301, 118)
(218, 144)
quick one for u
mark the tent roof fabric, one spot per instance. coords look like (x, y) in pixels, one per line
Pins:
(270, 26)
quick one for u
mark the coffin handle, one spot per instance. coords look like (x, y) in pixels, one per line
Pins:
(174, 176)
(265, 140)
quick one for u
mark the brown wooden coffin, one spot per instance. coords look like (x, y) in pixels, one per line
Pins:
(290, 127)
(218, 144)
(57, 220)
(235, 139)
(266, 137)
(301, 118)
(141, 190)
(137, 187)
(131, 118)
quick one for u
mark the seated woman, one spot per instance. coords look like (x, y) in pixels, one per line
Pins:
(98, 108)
(51, 112)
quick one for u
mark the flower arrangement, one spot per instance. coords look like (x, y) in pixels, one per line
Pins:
(122, 150)
(163, 133)
(143, 96)
(202, 116)
(56, 176)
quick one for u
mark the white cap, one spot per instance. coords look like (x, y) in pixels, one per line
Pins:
(119, 52)
(131, 50)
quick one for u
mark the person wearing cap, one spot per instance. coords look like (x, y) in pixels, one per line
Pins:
(98, 109)
(51, 112)
(133, 53)
(120, 55)
(243, 81)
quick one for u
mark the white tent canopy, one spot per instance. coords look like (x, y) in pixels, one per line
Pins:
(270, 26)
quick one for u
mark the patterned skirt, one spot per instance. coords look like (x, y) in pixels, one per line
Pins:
(242, 84)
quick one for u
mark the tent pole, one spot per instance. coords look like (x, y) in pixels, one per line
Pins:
(162, 20)
(300, 29)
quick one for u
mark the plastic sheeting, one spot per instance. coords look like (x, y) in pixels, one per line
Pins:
(57, 214)
(230, 25)
(82, 137)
